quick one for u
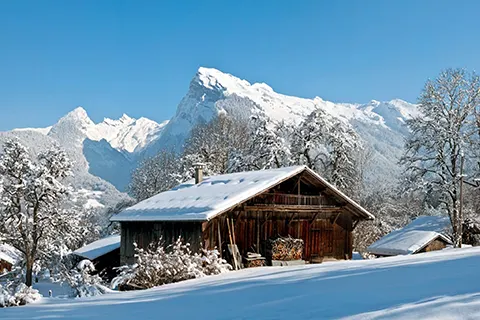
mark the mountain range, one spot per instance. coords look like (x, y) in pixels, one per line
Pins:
(105, 153)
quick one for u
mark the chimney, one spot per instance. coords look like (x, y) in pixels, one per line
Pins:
(198, 172)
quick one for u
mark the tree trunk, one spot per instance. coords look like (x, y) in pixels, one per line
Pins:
(29, 273)
(455, 228)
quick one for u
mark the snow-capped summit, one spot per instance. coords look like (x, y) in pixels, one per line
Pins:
(79, 112)
(124, 120)
(125, 134)
(79, 116)
(212, 91)
(279, 107)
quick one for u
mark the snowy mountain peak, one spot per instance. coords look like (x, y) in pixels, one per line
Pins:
(78, 114)
(123, 134)
(74, 126)
(215, 79)
(124, 120)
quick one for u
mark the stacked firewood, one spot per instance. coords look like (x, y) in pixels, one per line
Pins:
(287, 249)
(254, 260)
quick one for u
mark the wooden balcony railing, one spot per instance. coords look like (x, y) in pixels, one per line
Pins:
(290, 199)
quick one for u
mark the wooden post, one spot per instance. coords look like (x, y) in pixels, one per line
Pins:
(336, 218)
(460, 210)
(299, 182)
(235, 245)
(232, 245)
(258, 234)
(219, 237)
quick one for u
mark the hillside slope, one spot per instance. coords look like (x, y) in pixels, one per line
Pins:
(436, 285)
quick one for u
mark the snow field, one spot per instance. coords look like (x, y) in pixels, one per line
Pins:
(436, 285)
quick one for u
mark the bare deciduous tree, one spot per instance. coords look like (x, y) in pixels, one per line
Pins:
(442, 137)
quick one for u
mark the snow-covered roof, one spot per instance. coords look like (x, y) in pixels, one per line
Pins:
(217, 194)
(413, 237)
(99, 248)
(9, 254)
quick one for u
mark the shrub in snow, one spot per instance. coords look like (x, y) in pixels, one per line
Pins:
(213, 264)
(13, 294)
(83, 282)
(156, 266)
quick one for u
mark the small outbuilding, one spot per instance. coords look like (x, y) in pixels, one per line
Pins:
(247, 209)
(9, 256)
(424, 234)
(104, 253)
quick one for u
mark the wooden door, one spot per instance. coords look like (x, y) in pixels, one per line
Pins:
(320, 240)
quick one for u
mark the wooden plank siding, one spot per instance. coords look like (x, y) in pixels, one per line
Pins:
(321, 237)
(436, 244)
(145, 233)
(4, 265)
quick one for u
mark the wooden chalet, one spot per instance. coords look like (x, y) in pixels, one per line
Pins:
(256, 206)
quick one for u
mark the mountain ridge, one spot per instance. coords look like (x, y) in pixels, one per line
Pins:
(115, 146)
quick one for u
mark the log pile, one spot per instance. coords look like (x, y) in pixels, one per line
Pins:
(254, 260)
(287, 249)
(251, 263)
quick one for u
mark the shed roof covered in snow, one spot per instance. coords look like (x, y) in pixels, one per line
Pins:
(9, 254)
(99, 248)
(218, 194)
(413, 237)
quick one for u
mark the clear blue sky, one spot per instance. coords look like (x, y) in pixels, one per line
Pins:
(138, 57)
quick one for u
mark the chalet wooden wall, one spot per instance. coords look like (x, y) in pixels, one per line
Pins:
(4, 265)
(105, 264)
(322, 238)
(434, 245)
(145, 233)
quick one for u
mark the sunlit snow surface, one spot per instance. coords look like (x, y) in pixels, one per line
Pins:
(9, 254)
(98, 248)
(436, 285)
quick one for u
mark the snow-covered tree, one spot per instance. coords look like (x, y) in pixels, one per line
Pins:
(340, 162)
(31, 217)
(265, 148)
(13, 294)
(83, 280)
(155, 174)
(328, 146)
(442, 138)
(214, 144)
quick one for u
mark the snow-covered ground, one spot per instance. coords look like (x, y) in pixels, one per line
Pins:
(437, 285)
